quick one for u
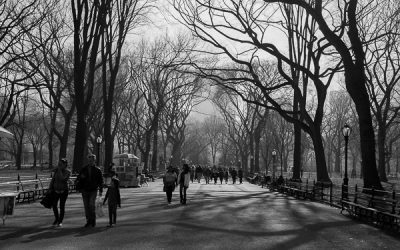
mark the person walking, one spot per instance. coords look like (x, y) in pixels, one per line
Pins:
(183, 179)
(114, 199)
(89, 180)
(199, 173)
(214, 174)
(226, 175)
(59, 187)
(240, 175)
(234, 175)
(170, 179)
(207, 173)
(220, 174)
(192, 170)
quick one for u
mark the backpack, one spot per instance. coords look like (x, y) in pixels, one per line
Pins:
(169, 178)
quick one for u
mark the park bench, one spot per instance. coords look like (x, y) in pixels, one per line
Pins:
(253, 178)
(266, 181)
(373, 205)
(25, 192)
(32, 190)
(297, 189)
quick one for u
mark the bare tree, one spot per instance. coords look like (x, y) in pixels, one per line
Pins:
(52, 60)
(157, 71)
(89, 24)
(383, 74)
(213, 130)
(122, 17)
(337, 115)
(338, 38)
(249, 28)
(176, 113)
(17, 19)
(342, 31)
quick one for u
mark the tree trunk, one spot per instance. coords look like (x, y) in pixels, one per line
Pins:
(381, 153)
(355, 85)
(18, 157)
(155, 146)
(297, 152)
(108, 137)
(257, 140)
(64, 139)
(322, 173)
(337, 155)
(80, 141)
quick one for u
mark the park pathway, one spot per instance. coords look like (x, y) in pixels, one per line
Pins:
(218, 216)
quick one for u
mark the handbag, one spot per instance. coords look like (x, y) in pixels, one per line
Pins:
(48, 199)
(99, 208)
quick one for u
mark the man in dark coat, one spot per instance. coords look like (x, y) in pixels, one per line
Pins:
(89, 180)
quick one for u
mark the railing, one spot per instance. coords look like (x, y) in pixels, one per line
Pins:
(328, 193)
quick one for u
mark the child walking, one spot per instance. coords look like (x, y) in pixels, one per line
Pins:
(114, 199)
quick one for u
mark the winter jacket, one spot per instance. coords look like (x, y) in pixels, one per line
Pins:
(90, 183)
(186, 179)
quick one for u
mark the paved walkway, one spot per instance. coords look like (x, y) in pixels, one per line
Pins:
(216, 217)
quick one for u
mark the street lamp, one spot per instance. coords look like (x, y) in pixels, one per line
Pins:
(273, 163)
(397, 160)
(98, 140)
(346, 130)
(251, 164)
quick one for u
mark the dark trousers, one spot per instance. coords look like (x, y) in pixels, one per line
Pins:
(240, 179)
(112, 213)
(62, 197)
(168, 191)
(182, 193)
(89, 202)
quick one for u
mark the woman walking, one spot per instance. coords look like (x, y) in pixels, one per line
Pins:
(184, 178)
(59, 186)
(170, 179)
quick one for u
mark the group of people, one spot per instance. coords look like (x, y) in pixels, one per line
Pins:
(214, 173)
(174, 177)
(89, 183)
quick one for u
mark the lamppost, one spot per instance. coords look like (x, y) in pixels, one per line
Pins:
(251, 164)
(346, 130)
(98, 140)
(397, 160)
(273, 163)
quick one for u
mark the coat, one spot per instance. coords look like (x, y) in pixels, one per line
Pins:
(90, 183)
(186, 179)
